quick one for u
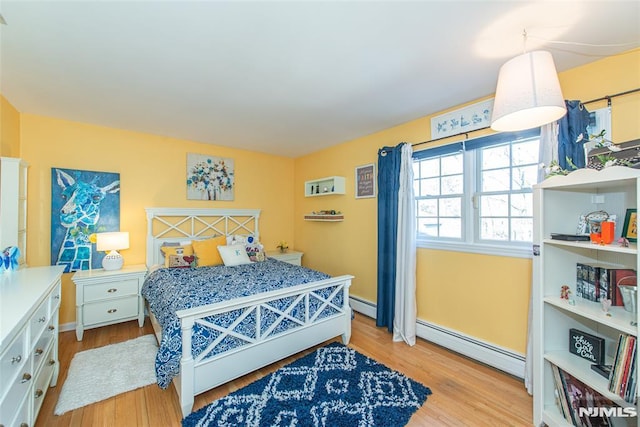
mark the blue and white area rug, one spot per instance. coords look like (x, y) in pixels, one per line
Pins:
(333, 386)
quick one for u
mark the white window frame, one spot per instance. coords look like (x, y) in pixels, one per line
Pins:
(470, 241)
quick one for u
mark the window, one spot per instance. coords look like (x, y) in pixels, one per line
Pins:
(477, 196)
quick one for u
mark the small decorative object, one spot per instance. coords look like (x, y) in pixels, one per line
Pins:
(325, 190)
(587, 346)
(565, 291)
(9, 258)
(366, 181)
(606, 305)
(630, 227)
(318, 189)
(283, 246)
(623, 242)
(607, 232)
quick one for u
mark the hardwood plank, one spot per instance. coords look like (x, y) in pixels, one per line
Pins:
(465, 393)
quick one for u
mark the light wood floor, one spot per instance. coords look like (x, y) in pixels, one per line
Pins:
(465, 393)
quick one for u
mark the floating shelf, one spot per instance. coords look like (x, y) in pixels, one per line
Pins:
(324, 186)
(326, 218)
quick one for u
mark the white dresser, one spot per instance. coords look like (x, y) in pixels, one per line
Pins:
(105, 297)
(29, 304)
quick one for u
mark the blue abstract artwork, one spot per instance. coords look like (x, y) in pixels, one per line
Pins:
(82, 203)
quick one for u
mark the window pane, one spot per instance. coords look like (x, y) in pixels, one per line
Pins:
(452, 164)
(416, 170)
(428, 207)
(429, 187)
(494, 229)
(495, 180)
(430, 167)
(522, 230)
(522, 205)
(428, 226)
(525, 152)
(525, 177)
(452, 185)
(495, 157)
(451, 206)
(494, 205)
(451, 227)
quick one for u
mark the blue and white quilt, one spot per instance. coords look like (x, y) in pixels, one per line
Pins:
(169, 290)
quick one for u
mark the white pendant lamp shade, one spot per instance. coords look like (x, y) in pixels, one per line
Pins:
(528, 93)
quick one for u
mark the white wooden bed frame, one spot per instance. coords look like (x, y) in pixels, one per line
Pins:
(199, 374)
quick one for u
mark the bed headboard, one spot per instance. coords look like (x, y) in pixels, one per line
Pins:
(170, 225)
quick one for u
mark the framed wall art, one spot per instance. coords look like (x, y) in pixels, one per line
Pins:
(630, 227)
(209, 177)
(82, 203)
(366, 181)
(466, 119)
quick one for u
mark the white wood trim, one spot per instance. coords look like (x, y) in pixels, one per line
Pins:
(482, 351)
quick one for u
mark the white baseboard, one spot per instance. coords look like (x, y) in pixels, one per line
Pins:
(482, 351)
(67, 327)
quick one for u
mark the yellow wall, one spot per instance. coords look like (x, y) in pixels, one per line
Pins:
(9, 129)
(483, 296)
(152, 173)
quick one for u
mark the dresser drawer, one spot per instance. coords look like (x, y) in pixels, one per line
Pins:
(110, 310)
(39, 322)
(10, 416)
(39, 351)
(18, 389)
(41, 384)
(110, 290)
(54, 298)
(13, 360)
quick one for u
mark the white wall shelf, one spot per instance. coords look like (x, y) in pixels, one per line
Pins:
(325, 218)
(324, 186)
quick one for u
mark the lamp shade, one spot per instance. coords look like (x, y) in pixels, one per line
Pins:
(112, 241)
(528, 93)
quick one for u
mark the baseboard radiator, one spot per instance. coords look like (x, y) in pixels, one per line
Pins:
(481, 351)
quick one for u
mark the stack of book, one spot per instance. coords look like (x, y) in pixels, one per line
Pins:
(623, 380)
(595, 282)
(578, 402)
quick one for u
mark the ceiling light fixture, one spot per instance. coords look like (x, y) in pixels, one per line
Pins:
(528, 93)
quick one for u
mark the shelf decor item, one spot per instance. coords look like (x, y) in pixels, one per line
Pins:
(283, 246)
(630, 227)
(587, 346)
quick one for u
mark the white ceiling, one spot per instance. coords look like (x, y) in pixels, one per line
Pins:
(287, 78)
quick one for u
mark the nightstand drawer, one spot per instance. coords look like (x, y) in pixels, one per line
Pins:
(110, 290)
(110, 310)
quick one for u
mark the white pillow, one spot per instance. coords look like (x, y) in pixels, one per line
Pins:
(234, 255)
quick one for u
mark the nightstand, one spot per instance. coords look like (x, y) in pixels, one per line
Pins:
(108, 297)
(292, 257)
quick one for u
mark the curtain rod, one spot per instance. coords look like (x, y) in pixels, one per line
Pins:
(466, 134)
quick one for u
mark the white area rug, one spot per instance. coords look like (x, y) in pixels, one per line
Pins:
(103, 372)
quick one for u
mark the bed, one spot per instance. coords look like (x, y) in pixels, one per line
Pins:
(227, 338)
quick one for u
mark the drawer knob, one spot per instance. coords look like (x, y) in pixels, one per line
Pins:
(39, 351)
(42, 319)
(39, 393)
(57, 296)
(113, 310)
(52, 362)
(24, 425)
(112, 290)
(16, 359)
(51, 328)
(25, 377)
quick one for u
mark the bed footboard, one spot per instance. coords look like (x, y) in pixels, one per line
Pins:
(267, 327)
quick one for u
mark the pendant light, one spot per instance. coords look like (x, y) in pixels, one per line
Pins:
(528, 93)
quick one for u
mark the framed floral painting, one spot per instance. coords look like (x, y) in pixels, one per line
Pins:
(209, 178)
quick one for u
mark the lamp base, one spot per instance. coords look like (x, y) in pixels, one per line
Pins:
(112, 261)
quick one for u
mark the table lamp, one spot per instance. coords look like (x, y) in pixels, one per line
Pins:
(112, 242)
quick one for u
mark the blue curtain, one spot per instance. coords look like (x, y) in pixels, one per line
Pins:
(388, 185)
(572, 135)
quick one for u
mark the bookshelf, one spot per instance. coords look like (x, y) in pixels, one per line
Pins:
(324, 186)
(558, 203)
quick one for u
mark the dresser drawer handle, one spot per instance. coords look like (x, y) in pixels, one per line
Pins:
(25, 377)
(111, 311)
(56, 296)
(16, 359)
(39, 351)
(42, 319)
(112, 290)
(52, 362)
(51, 328)
(38, 393)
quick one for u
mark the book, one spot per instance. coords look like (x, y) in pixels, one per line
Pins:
(561, 394)
(582, 401)
(622, 380)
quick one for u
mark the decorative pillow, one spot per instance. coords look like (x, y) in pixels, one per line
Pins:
(256, 252)
(175, 250)
(234, 255)
(206, 251)
(182, 261)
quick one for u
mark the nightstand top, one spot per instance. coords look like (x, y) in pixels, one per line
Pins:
(100, 272)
